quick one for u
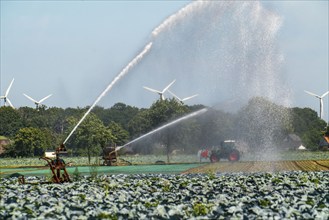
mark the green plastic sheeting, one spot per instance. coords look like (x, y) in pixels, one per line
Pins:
(86, 170)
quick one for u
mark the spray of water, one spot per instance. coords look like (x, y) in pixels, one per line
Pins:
(193, 114)
(228, 50)
(171, 20)
(109, 87)
(230, 44)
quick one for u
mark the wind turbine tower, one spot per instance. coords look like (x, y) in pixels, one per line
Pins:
(320, 98)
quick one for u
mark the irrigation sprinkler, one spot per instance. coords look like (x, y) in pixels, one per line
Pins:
(57, 167)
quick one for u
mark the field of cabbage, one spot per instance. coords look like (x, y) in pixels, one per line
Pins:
(80, 161)
(283, 195)
(279, 189)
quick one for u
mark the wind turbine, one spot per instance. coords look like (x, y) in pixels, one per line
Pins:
(184, 99)
(320, 98)
(160, 92)
(5, 97)
(37, 103)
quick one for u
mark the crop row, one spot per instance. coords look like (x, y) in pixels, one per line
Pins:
(147, 159)
(135, 159)
(286, 195)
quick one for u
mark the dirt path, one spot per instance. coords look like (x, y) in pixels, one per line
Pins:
(262, 166)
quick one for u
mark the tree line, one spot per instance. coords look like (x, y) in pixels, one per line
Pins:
(259, 123)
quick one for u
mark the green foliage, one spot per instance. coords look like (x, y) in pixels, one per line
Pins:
(10, 121)
(160, 113)
(31, 142)
(56, 120)
(211, 175)
(163, 111)
(151, 204)
(122, 114)
(200, 209)
(140, 124)
(308, 126)
(91, 136)
(120, 135)
(256, 123)
(119, 113)
(264, 202)
(104, 215)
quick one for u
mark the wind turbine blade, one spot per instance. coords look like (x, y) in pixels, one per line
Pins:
(152, 90)
(30, 98)
(7, 92)
(310, 93)
(325, 94)
(10, 103)
(45, 98)
(165, 89)
(190, 97)
(174, 95)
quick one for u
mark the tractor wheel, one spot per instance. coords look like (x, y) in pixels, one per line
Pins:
(214, 158)
(234, 156)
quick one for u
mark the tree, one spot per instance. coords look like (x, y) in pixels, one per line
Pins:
(140, 124)
(27, 114)
(36, 118)
(120, 135)
(163, 112)
(119, 113)
(308, 126)
(56, 119)
(31, 142)
(91, 136)
(10, 121)
(122, 114)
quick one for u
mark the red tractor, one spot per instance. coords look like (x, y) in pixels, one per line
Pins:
(226, 150)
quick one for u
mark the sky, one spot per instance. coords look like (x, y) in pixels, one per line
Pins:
(75, 49)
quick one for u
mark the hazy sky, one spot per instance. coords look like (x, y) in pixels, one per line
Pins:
(74, 49)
